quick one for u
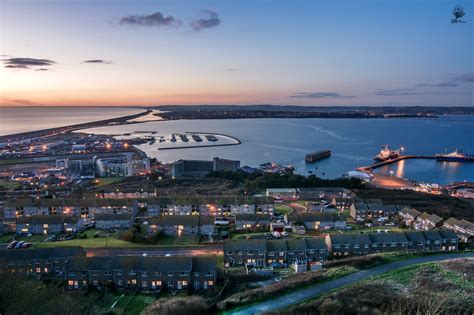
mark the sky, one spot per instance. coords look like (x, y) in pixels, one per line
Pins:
(334, 52)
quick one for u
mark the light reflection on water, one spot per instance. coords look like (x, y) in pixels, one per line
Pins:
(431, 171)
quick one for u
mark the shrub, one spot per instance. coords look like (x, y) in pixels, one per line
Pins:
(195, 305)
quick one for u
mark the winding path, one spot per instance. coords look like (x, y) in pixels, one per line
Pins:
(299, 296)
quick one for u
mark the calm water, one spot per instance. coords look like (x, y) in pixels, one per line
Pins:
(22, 119)
(353, 143)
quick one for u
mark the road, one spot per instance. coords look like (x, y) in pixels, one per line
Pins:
(156, 251)
(300, 296)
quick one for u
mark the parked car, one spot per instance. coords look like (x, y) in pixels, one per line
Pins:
(19, 244)
(12, 244)
(26, 245)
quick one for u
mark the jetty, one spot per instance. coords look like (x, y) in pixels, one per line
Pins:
(400, 158)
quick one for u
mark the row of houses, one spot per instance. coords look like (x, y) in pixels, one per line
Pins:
(266, 252)
(373, 211)
(309, 220)
(62, 224)
(89, 207)
(426, 221)
(362, 244)
(86, 208)
(143, 273)
(463, 228)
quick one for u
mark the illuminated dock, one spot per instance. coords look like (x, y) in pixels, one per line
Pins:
(400, 158)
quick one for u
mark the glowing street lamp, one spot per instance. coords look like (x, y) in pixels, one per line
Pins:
(391, 173)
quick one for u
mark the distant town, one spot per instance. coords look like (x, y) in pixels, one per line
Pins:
(94, 212)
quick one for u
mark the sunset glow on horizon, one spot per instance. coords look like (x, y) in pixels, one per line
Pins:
(145, 53)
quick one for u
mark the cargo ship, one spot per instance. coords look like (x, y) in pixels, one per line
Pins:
(316, 156)
(456, 156)
(386, 154)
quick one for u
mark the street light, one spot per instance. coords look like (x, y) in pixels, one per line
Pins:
(391, 173)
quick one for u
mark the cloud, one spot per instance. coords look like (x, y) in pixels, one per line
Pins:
(26, 63)
(156, 19)
(464, 78)
(97, 61)
(210, 20)
(313, 95)
(232, 70)
(398, 92)
(441, 84)
(452, 82)
(19, 101)
(42, 69)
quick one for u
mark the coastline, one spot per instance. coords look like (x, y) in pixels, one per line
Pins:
(122, 120)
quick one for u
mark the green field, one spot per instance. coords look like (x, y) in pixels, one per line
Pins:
(283, 209)
(128, 304)
(6, 184)
(166, 240)
(90, 243)
(101, 182)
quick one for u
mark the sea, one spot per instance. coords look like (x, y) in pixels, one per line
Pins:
(353, 142)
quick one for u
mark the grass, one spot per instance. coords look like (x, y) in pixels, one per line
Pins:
(9, 185)
(101, 182)
(183, 240)
(133, 304)
(31, 239)
(236, 236)
(12, 161)
(282, 209)
(90, 243)
(6, 238)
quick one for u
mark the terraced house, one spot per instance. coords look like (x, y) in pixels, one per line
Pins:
(224, 206)
(113, 221)
(48, 224)
(251, 221)
(84, 207)
(179, 225)
(426, 221)
(463, 229)
(373, 211)
(319, 220)
(363, 244)
(42, 261)
(264, 253)
(143, 273)
(409, 215)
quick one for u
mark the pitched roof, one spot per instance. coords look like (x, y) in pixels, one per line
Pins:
(42, 253)
(451, 221)
(432, 235)
(446, 234)
(296, 244)
(131, 263)
(435, 219)
(252, 217)
(242, 245)
(319, 216)
(42, 219)
(415, 237)
(277, 246)
(315, 243)
(113, 217)
(388, 238)
(351, 238)
(361, 206)
(409, 210)
(204, 264)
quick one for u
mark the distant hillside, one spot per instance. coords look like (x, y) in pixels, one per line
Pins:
(324, 109)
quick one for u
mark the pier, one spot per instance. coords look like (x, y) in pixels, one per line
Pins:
(400, 158)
